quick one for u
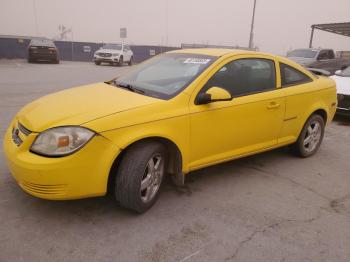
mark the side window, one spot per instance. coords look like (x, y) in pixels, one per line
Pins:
(244, 76)
(291, 76)
(331, 54)
(323, 55)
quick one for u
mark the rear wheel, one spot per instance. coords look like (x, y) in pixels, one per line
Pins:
(140, 176)
(310, 137)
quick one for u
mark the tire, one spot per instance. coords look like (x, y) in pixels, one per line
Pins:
(130, 61)
(137, 185)
(311, 137)
(121, 61)
(56, 61)
(97, 62)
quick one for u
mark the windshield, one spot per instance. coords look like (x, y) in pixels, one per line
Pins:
(346, 72)
(112, 46)
(306, 53)
(166, 75)
(42, 42)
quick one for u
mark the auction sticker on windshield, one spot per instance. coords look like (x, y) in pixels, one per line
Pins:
(196, 61)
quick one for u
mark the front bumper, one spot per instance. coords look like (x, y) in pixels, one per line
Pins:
(343, 107)
(112, 59)
(80, 175)
(343, 111)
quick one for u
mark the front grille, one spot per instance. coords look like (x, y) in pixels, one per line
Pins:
(24, 130)
(15, 137)
(17, 131)
(43, 189)
(344, 101)
(104, 54)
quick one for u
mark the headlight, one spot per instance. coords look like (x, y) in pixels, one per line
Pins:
(116, 54)
(61, 141)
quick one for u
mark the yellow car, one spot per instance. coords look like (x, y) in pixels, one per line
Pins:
(177, 112)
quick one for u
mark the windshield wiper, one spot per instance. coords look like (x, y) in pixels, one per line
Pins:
(129, 87)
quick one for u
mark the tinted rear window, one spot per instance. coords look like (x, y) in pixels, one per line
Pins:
(42, 42)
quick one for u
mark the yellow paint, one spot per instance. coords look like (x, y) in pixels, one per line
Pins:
(218, 93)
(205, 134)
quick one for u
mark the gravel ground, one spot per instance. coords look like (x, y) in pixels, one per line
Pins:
(269, 207)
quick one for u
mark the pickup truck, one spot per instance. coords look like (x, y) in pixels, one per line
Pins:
(319, 58)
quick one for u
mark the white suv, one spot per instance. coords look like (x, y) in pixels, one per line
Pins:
(114, 54)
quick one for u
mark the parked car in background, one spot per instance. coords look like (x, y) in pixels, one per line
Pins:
(114, 54)
(342, 79)
(42, 49)
(319, 58)
(175, 113)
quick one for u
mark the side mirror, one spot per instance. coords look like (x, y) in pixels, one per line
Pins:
(213, 94)
(339, 73)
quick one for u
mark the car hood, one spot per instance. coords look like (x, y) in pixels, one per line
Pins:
(302, 60)
(79, 105)
(112, 51)
(343, 84)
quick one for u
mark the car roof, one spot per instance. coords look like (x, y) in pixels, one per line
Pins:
(222, 52)
(212, 51)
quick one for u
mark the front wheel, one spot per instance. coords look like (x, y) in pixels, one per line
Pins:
(121, 61)
(97, 62)
(310, 137)
(140, 176)
(130, 61)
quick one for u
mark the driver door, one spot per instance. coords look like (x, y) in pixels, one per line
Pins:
(250, 122)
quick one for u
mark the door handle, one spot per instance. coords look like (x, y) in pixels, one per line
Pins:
(273, 105)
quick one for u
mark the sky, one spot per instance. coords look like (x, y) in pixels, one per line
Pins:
(280, 25)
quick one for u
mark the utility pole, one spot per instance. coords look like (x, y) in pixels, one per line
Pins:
(71, 31)
(312, 36)
(166, 22)
(35, 18)
(252, 28)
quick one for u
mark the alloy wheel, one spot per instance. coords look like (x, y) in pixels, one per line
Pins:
(312, 136)
(152, 178)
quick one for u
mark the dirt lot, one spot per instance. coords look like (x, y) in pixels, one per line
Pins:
(269, 207)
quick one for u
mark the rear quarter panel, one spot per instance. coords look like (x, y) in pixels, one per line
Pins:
(302, 101)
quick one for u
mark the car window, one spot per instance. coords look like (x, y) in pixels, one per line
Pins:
(166, 75)
(291, 76)
(42, 42)
(244, 76)
(306, 53)
(323, 55)
(112, 46)
(330, 54)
